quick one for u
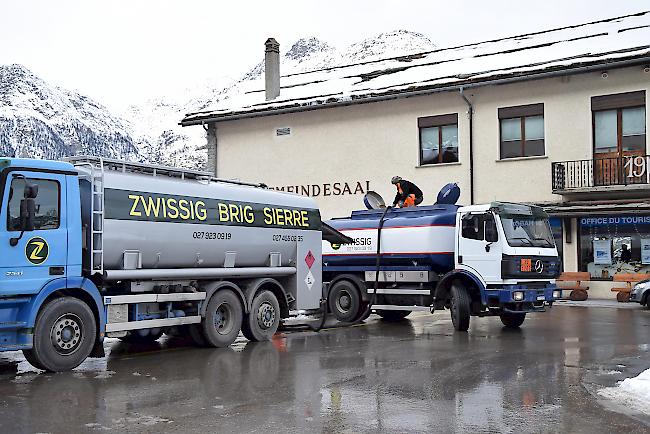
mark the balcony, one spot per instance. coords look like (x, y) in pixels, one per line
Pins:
(622, 176)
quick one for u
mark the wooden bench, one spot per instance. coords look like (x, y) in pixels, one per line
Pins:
(623, 295)
(578, 291)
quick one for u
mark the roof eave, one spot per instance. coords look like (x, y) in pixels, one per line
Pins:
(498, 80)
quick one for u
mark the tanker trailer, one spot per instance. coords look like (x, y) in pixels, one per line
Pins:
(98, 248)
(496, 259)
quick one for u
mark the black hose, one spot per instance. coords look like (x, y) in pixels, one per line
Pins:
(324, 304)
(377, 263)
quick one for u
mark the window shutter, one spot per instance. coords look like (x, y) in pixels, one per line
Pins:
(619, 100)
(437, 121)
(521, 110)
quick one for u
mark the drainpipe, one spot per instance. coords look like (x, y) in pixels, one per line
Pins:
(470, 112)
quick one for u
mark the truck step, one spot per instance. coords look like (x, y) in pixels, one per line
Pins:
(152, 323)
(153, 298)
(12, 325)
(400, 291)
(397, 307)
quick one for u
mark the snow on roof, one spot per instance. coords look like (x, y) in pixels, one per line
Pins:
(605, 42)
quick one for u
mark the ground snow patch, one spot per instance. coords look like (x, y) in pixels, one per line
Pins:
(634, 392)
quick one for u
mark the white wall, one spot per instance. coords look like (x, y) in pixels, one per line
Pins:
(372, 142)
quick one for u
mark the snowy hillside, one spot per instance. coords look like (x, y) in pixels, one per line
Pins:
(39, 120)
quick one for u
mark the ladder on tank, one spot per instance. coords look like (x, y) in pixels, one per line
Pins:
(96, 179)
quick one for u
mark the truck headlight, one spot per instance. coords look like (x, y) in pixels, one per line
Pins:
(557, 294)
(518, 296)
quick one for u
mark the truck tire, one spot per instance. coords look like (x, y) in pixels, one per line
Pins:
(64, 335)
(261, 323)
(223, 319)
(460, 306)
(345, 301)
(512, 320)
(393, 315)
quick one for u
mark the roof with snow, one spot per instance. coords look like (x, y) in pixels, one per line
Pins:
(604, 44)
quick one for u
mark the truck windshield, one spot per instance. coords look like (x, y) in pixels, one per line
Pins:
(527, 231)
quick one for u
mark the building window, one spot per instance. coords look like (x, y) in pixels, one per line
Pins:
(619, 125)
(522, 131)
(438, 139)
(614, 244)
(47, 204)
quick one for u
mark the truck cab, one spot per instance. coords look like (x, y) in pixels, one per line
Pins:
(507, 252)
(40, 243)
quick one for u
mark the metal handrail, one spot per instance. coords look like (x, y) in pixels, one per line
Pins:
(600, 172)
(154, 170)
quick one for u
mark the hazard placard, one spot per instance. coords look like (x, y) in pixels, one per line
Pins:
(310, 259)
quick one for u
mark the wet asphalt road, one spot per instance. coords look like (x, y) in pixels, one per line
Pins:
(414, 376)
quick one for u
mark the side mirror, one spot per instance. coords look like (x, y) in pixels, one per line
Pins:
(31, 191)
(27, 214)
(491, 235)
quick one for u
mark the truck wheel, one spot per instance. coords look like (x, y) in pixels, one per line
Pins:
(223, 319)
(393, 315)
(512, 320)
(345, 301)
(64, 335)
(459, 307)
(263, 320)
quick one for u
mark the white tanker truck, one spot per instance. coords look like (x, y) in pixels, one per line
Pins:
(95, 248)
(496, 259)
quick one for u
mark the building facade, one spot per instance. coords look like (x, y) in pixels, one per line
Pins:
(572, 139)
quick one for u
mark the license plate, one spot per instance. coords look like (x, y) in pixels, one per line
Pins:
(540, 297)
(526, 265)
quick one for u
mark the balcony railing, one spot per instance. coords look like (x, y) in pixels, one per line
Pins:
(600, 172)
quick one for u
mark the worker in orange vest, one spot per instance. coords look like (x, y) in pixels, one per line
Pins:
(408, 194)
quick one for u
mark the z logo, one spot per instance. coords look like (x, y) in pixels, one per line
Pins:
(37, 250)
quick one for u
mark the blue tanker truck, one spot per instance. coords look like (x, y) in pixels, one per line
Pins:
(497, 259)
(95, 248)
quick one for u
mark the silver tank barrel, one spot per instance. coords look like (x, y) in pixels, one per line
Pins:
(161, 223)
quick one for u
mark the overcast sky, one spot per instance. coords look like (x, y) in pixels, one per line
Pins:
(123, 51)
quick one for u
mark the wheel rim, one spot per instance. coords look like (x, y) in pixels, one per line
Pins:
(344, 301)
(266, 315)
(66, 334)
(222, 320)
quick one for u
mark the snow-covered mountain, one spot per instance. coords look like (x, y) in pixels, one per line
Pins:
(38, 120)
(156, 121)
